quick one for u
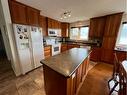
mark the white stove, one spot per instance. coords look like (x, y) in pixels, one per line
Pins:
(56, 47)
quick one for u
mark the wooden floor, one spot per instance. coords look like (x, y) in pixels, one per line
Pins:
(33, 84)
(96, 81)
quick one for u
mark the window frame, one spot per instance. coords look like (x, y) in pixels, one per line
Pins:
(119, 35)
(79, 28)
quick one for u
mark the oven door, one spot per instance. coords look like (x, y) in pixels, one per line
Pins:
(55, 49)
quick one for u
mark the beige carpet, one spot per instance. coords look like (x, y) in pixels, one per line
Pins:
(96, 82)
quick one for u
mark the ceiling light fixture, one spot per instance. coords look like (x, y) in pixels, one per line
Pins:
(66, 14)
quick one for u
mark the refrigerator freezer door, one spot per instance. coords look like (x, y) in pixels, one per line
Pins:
(25, 61)
(22, 42)
(37, 45)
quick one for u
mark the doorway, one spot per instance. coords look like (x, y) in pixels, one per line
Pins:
(5, 64)
(2, 48)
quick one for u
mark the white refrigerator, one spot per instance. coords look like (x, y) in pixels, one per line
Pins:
(29, 42)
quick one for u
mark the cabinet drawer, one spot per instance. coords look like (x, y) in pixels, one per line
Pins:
(64, 48)
(47, 56)
(47, 52)
(47, 48)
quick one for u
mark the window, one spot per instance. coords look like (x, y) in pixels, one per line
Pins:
(84, 33)
(74, 33)
(80, 33)
(122, 37)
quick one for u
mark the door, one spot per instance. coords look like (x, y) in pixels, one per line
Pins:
(37, 45)
(2, 47)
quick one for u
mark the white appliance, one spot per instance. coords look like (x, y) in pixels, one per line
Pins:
(54, 32)
(29, 42)
(56, 47)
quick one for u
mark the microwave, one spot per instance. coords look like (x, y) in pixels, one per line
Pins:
(54, 32)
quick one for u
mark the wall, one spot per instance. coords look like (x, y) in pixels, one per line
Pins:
(8, 36)
(80, 23)
(124, 17)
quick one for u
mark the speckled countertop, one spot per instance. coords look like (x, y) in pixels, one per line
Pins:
(67, 62)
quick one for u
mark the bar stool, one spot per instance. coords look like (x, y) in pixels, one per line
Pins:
(123, 78)
(113, 83)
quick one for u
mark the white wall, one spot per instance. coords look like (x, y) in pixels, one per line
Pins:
(124, 17)
(80, 23)
(6, 27)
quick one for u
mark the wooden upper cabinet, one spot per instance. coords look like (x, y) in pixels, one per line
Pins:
(33, 16)
(97, 26)
(43, 25)
(18, 12)
(23, 14)
(110, 35)
(53, 24)
(49, 23)
(112, 24)
(64, 29)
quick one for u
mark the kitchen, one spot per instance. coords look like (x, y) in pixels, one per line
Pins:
(37, 36)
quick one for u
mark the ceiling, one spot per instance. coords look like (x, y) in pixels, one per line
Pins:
(80, 9)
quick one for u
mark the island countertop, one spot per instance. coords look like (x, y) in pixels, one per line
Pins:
(67, 62)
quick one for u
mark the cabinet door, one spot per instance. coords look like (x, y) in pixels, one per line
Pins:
(100, 27)
(109, 43)
(65, 29)
(107, 55)
(84, 64)
(78, 76)
(113, 24)
(121, 55)
(63, 47)
(95, 54)
(92, 28)
(97, 26)
(49, 23)
(33, 16)
(43, 24)
(71, 84)
(18, 12)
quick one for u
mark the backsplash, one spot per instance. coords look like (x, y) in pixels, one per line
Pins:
(55, 40)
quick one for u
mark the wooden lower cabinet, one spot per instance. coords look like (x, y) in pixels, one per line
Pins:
(47, 51)
(121, 55)
(95, 54)
(70, 46)
(107, 55)
(63, 47)
(57, 84)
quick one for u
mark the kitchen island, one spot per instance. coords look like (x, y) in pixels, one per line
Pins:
(64, 73)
